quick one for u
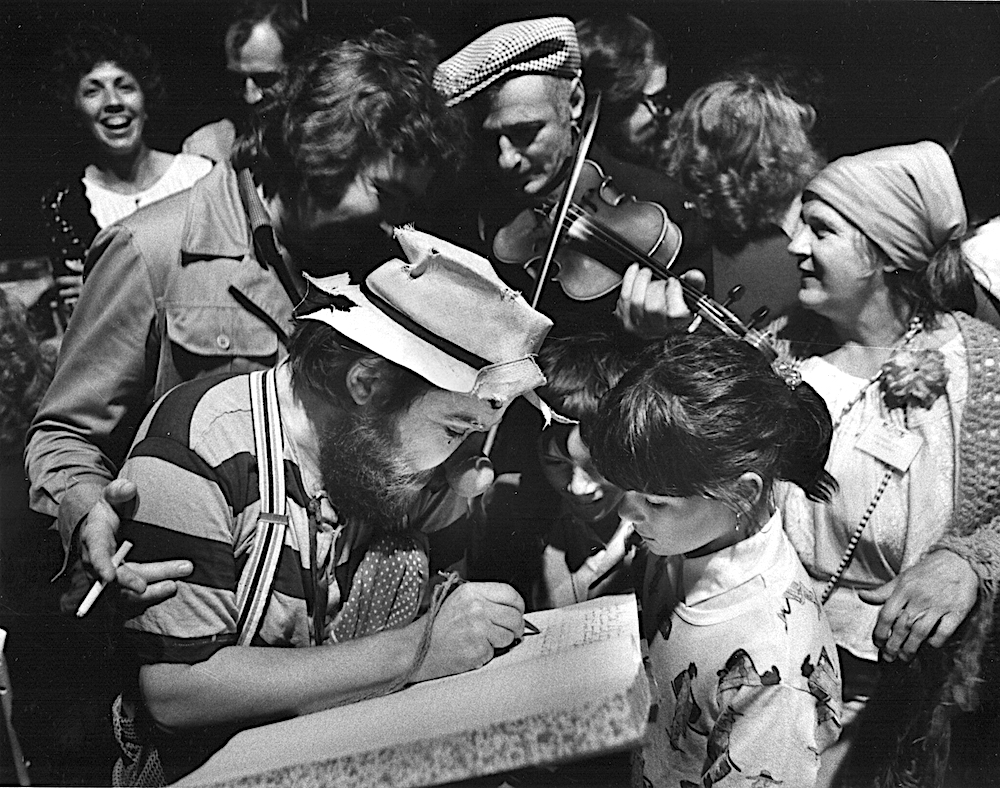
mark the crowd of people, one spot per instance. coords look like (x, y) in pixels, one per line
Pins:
(411, 343)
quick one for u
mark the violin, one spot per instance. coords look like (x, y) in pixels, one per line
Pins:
(605, 231)
(595, 232)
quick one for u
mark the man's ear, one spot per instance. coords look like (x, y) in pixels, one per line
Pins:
(577, 98)
(365, 378)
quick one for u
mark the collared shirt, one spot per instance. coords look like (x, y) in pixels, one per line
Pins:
(157, 309)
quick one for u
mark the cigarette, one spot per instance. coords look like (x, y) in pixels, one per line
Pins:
(98, 587)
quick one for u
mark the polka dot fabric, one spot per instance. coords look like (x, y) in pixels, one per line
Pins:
(387, 588)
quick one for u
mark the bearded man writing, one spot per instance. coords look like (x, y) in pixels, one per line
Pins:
(288, 490)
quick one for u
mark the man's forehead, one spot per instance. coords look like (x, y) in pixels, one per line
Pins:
(463, 408)
(522, 100)
(262, 53)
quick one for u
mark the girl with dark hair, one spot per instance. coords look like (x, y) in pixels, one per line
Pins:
(701, 432)
(105, 83)
(905, 554)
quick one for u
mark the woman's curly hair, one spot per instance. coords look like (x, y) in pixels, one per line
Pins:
(741, 144)
(345, 104)
(25, 372)
(91, 43)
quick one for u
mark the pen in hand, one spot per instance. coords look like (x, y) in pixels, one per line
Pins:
(95, 590)
(529, 628)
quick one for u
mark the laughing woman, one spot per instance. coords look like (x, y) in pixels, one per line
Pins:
(905, 555)
(106, 82)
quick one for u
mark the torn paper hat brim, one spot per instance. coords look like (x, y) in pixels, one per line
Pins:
(370, 327)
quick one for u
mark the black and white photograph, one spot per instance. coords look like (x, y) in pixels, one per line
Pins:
(471, 394)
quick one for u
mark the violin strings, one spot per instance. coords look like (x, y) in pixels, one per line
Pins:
(714, 311)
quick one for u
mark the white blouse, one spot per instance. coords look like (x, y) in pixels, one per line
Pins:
(109, 206)
(911, 514)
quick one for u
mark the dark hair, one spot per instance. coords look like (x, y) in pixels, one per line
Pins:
(698, 411)
(319, 358)
(619, 51)
(25, 372)
(285, 18)
(92, 43)
(975, 152)
(741, 144)
(344, 105)
(581, 369)
(945, 284)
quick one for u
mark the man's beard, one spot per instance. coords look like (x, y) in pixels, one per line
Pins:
(363, 473)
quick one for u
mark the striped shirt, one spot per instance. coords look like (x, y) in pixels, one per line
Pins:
(194, 463)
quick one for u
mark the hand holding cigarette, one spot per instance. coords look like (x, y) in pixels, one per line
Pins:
(99, 585)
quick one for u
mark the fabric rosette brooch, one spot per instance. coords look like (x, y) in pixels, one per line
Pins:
(914, 378)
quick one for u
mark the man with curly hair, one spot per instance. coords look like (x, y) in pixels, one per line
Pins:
(204, 282)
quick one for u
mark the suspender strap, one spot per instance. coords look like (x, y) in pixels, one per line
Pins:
(257, 579)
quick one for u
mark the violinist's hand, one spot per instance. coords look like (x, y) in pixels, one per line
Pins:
(652, 308)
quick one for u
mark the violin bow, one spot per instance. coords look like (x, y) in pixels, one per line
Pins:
(589, 125)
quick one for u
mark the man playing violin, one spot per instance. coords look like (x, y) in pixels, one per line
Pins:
(521, 82)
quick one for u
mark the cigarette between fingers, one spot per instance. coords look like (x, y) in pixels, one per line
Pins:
(95, 591)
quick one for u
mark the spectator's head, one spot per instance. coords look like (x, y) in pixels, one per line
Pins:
(353, 136)
(626, 61)
(698, 431)
(741, 145)
(106, 82)
(260, 43)
(404, 367)
(975, 152)
(579, 370)
(890, 218)
(523, 82)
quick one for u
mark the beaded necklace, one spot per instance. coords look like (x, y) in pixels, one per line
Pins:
(915, 327)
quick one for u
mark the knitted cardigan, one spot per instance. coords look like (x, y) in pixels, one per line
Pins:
(939, 682)
(919, 699)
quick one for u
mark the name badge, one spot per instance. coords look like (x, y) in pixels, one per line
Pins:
(893, 445)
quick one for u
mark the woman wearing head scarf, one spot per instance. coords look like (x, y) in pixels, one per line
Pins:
(904, 554)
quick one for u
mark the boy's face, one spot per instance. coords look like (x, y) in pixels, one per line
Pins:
(570, 470)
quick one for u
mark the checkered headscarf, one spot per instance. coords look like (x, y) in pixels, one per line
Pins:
(532, 46)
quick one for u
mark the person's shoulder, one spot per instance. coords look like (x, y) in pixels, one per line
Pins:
(191, 166)
(203, 412)
(213, 140)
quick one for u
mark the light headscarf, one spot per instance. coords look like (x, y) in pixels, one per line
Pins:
(904, 198)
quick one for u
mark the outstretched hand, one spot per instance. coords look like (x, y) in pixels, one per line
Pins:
(653, 308)
(926, 602)
(142, 585)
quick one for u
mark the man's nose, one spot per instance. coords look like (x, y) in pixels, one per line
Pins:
(581, 483)
(509, 157)
(251, 92)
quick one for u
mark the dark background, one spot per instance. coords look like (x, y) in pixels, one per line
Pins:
(893, 71)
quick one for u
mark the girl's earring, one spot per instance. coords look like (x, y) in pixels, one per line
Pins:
(737, 526)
